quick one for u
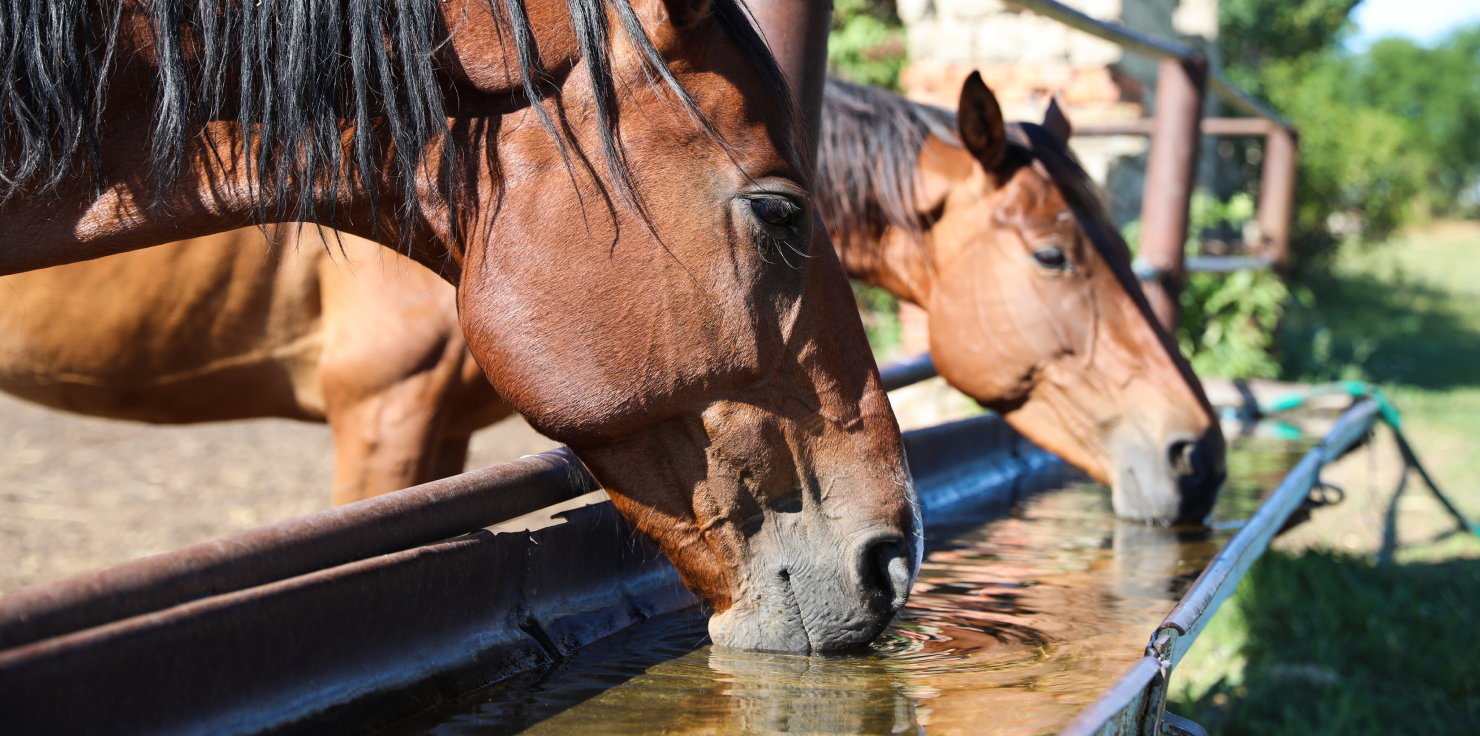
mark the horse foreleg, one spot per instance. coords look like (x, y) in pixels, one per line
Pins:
(451, 457)
(388, 441)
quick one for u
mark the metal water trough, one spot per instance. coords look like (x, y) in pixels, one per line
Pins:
(1136, 704)
(358, 616)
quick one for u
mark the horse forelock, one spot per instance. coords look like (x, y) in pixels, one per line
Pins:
(301, 75)
(866, 160)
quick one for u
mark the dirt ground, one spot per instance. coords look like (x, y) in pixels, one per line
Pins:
(81, 493)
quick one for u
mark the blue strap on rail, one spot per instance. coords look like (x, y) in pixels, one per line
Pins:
(1391, 417)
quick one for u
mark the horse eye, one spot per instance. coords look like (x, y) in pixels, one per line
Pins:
(774, 211)
(1051, 257)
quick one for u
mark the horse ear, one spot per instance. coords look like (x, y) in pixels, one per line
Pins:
(980, 121)
(685, 13)
(1056, 121)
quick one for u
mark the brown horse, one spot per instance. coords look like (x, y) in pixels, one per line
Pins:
(612, 187)
(230, 326)
(373, 345)
(1034, 310)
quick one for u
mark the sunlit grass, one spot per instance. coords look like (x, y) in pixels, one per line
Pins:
(1321, 642)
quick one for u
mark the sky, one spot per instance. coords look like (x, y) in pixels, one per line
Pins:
(1425, 21)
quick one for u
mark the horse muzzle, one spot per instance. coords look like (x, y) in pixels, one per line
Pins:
(802, 597)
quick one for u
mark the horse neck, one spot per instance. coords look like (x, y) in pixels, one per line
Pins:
(890, 259)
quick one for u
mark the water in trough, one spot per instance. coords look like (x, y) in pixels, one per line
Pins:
(1020, 618)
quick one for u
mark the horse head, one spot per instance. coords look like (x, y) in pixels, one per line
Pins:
(1080, 365)
(612, 186)
(689, 332)
(999, 234)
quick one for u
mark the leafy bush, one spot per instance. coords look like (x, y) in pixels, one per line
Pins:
(1228, 320)
(866, 45)
(880, 313)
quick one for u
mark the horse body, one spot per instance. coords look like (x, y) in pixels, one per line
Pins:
(606, 182)
(230, 327)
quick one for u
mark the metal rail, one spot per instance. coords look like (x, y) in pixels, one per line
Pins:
(1149, 44)
(907, 371)
(396, 521)
(1171, 166)
(1135, 704)
(355, 646)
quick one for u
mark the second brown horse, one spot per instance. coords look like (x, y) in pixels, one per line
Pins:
(1034, 314)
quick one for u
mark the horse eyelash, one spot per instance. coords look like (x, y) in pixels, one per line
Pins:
(769, 242)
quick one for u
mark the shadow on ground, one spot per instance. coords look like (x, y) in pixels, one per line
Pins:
(1386, 330)
(1334, 644)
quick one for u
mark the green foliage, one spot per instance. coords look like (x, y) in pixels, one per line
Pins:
(1254, 32)
(866, 45)
(1228, 320)
(1332, 644)
(1434, 95)
(880, 313)
(1354, 158)
(1385, 134)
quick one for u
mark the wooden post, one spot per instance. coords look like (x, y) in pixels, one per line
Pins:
(1277, 195)
(1171, 173)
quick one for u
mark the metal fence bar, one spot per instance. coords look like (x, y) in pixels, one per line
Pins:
(1129, 38)
(1171, 174)
(1149, 44)
(382, 525)
(1252, 127)
(1277, 194)
(907, 371)
(1229, 92)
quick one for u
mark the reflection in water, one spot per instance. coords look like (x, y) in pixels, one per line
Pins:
(1014, 626)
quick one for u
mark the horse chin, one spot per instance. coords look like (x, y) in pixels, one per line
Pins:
(1142, 492)
(799, 598)
(1147, 488)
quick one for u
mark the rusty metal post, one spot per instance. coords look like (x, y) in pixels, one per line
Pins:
(1277, 195)
(796, 31)
(1171, 172)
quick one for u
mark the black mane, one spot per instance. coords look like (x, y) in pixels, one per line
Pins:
(301, 74)
(870, 148)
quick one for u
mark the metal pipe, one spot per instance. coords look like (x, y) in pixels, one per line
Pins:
(1129, 38)
(907, 371)
(1277, 195)
(1210, 126)
(390, 523)
(1171, 171)
(796, 31)
(1233, 95)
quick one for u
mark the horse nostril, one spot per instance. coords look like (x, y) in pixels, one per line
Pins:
(888, 572)
(1180, 457)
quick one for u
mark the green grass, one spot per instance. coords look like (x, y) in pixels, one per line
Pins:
(1320, 642)
(1406, 313)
